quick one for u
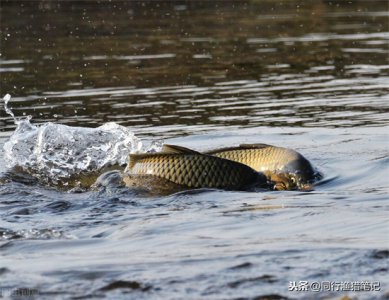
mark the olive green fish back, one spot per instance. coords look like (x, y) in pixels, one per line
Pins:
(194, 170)
(261, 158)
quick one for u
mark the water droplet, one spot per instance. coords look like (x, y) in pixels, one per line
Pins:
(156, 146)
(6, 99)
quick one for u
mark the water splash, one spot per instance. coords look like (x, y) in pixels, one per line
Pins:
(52, 152)
(6, 99)
(60, 151)
(155, 146)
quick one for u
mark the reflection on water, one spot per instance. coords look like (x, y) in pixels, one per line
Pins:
(168, 69)
(309, 75)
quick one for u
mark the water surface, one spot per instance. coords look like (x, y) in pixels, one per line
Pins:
(311, 76)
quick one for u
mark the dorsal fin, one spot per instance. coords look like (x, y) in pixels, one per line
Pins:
(240, 147)
(254, 146)
(174, 149)
(222, 150)
(133, 158)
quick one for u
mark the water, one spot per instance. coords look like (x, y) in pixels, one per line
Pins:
(311, 76)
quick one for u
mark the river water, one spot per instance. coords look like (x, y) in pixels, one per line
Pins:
(308, 75)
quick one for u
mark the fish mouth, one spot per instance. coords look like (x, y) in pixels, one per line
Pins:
(289, 186)
(285, 181)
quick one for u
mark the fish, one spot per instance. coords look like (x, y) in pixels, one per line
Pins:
(191, 169)
(286, 168)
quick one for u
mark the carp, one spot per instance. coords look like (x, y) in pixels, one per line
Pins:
(286, 168)
(191, 169)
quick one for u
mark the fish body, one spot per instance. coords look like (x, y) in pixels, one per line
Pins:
(287, 168)
(192, 169)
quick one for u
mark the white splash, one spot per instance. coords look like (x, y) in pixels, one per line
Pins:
(54, 151)
(6, 99)
(155, 146)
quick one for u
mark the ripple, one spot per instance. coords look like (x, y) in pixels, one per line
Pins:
(14, 69)
(275, 95)
(12, 61)
(320, 37)
(364, 50)
(130, 57)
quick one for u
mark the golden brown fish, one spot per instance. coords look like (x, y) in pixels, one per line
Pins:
(192, 169)
(286, 168)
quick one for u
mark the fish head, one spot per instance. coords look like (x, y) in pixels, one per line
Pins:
(299, 172)
(282, 181)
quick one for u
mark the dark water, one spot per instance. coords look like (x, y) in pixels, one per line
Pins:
(312, 75)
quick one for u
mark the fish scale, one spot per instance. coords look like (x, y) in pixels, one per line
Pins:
(260, 159)
(195, 170)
